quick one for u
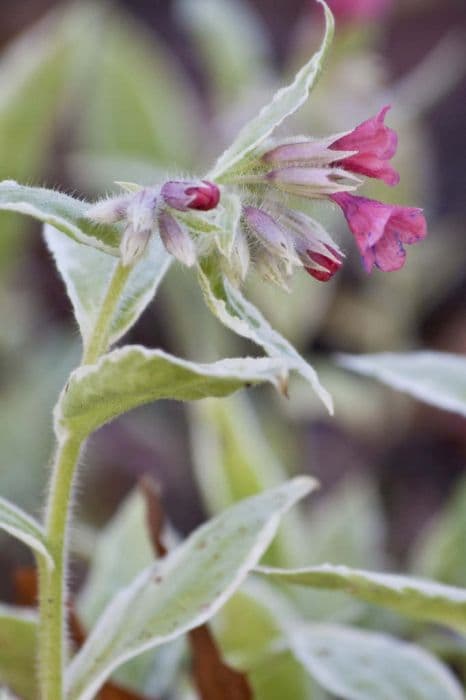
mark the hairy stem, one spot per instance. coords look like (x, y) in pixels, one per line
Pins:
(98, 341)
(52, 603)
(52, 583)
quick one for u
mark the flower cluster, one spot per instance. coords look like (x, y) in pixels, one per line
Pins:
(151, 210)
(329, 168)
(280, 237)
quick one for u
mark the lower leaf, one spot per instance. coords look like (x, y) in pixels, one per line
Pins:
(184, 589)
(359, 665)
(18, 634)
(418, 598)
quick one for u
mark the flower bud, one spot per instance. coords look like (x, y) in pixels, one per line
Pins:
(133, 244)
(319, 254)
(140, 213)
(270, 234)
(110, 210)
(176, 239)
(312, 182)
(201, 195)
(272, 269)
(304, 152)
(236, 268)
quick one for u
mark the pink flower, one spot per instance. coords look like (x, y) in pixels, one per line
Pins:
(381, 229)
(182, 195)
(359, 10)
(375, 144)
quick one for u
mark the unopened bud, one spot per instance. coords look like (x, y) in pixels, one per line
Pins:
(238, 264)
(272, 269)
(318, 252)
(110, 210)
(271, 234)
(176, 239)
(304, 152)
(140, 213)
(133, 244)
(312, 182)
(201, 195)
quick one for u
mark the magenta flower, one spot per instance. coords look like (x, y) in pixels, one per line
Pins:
(381, 229)
(182, 195)
(375, 144)
(359, 10)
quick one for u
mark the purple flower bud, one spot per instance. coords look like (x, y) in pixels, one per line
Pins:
(270, 234)
(201, 195)
(176, 239)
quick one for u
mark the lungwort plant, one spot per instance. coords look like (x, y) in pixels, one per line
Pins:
(244, 216)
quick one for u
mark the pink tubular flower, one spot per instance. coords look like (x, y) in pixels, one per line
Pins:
(375, 144)
(182, 195)
(381, 229)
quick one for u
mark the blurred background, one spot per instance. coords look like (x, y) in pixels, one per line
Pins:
(95, 92)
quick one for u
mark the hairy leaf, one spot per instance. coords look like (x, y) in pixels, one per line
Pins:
(438, 378)
(65, 213)
(286, 101)
(132, 376)
(359, 665)
(418, 598)
(87, 272)
(18, 630)
(242, 317)
(184, 589)
(19, 524)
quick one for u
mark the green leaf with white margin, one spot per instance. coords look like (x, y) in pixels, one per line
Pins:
(359, 665)
(65, 213)
(284, 103)
(438, 378)
(237, 313)
(87, 273)
(415, 597)
(131, 376)
(233, 460)
(19, 524)
(151, 673)
(18, 633)
(184, 589)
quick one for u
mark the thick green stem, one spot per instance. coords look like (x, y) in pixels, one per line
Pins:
(98, 341)
(52, 583)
